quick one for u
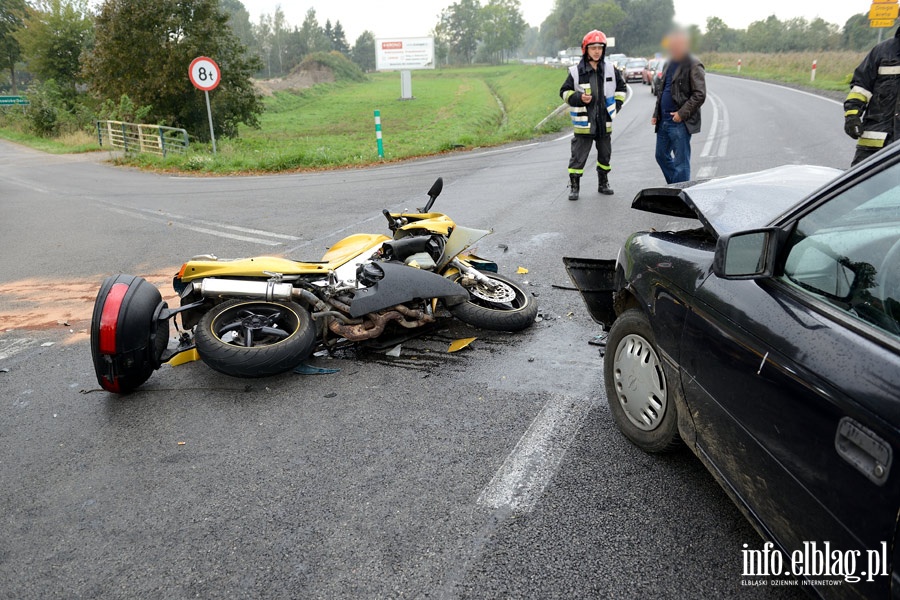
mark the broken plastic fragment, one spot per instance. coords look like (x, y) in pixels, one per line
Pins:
(522, 271)
(395, 351)
(184, 357)
(308, 369)
(181, 443)
(47, 344)
(457, 345)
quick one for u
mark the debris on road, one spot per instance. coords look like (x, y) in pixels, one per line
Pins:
(457, 345)
(394, 352)
(522, 271)
(308, 369)
(4, 370)
(331, 395)
(599, 339)
(181, 443)
(184, 358)
(47, 344)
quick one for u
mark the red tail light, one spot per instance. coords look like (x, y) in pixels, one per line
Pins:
(109, 318)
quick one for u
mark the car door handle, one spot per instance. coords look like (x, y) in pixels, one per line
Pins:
(864, 450)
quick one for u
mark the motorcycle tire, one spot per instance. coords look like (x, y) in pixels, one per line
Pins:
(503, 313)
(255, 338)
(128, 338)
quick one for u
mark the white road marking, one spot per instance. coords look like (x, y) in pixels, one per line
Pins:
(711, 137)
(790, 89)
(271, 234)
(11, 347)
(706, 172)
(523, 476)
(179, 224)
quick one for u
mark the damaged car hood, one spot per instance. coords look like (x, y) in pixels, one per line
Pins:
(737, 203)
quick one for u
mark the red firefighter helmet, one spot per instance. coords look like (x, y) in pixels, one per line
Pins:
(593, 37)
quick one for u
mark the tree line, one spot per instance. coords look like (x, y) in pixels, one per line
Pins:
(281, 46)
(468, 31)
(639, 27)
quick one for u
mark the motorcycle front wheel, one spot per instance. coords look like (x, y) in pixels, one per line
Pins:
(254, 338)
(504, 307)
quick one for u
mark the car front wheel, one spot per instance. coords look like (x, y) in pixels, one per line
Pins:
(636, 386)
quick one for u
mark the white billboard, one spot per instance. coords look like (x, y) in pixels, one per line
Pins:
(404, 54)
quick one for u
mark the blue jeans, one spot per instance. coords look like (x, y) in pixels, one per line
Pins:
(673, 151)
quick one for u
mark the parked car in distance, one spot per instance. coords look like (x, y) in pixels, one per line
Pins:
(657, 81)
(767, 340)
(634, 69)
(618, 60)
(650, 71)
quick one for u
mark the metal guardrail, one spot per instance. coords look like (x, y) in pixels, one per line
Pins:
(136, 137)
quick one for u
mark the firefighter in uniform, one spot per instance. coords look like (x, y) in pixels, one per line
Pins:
(595, 91)
(872, 110)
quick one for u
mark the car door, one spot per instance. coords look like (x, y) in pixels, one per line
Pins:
(793, 381)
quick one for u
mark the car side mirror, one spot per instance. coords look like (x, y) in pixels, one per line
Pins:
(747, 254)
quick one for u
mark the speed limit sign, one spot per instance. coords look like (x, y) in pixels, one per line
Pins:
(204, 73)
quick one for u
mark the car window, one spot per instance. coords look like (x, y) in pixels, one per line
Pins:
(847, 251)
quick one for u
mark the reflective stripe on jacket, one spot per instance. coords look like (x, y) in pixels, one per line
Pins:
(578, 82)
(875, 94)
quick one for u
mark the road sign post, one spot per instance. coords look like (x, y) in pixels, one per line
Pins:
(204, 75)
(404, 55)
(812, 76)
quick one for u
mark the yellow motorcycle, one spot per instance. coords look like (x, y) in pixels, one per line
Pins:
(256, 317)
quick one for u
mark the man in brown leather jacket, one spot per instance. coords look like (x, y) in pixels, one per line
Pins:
(677, 114)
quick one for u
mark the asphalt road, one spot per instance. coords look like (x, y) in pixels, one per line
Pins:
(494, 472)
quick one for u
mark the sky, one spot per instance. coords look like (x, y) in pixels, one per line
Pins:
(389, 18)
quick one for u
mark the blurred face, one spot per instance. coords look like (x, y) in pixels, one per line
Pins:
(595, 51)
(679, 45)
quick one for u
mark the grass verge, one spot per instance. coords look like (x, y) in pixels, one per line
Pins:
(332, 125)
(70, 143)
(833, 71)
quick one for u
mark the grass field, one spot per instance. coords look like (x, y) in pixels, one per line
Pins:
(833, 71)
(332, 124)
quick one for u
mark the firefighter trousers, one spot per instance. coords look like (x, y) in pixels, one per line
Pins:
(581, 149)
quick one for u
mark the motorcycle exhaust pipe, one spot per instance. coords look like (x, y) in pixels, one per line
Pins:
(236, 288)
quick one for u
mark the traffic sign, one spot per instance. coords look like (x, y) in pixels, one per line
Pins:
(881, 23)
(204, 73)
(13, 100)
(881, 12)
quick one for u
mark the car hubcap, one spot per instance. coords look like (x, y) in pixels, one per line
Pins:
(640, 382)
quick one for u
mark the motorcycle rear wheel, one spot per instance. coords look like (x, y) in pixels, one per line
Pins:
(255, 338)
(509, 308)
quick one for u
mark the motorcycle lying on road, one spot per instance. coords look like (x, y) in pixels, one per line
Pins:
(256, 317)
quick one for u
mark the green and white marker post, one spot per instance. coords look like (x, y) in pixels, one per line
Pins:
(378, 139)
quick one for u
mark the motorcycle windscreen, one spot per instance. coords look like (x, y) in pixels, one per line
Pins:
(401, 284)
(459, 241)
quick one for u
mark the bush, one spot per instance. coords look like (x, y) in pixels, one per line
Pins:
(342, 67)
(43, 112)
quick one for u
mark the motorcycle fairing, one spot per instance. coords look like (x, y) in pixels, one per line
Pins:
(402, 284)
(339, 254)
(459, 241)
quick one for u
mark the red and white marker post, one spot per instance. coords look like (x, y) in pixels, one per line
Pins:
(205, 75)
(739, 65)
(812, 76)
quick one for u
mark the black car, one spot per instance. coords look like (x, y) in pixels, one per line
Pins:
(767, 340)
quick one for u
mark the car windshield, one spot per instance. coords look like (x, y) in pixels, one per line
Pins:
(636, 63)
(847, 251)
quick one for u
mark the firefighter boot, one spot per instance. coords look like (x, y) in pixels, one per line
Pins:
(604, 188)
(574, 186)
